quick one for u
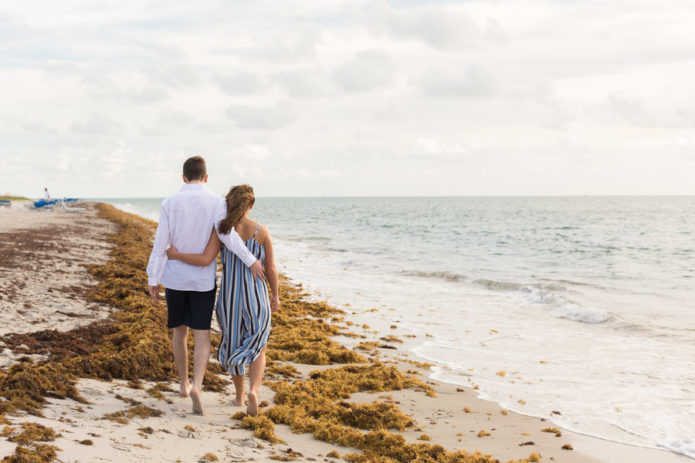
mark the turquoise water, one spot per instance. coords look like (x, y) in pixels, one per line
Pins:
(576, 297)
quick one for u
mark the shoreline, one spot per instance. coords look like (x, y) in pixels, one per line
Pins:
(287, 366)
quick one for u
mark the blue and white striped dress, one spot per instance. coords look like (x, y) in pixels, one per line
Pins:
(243, 310)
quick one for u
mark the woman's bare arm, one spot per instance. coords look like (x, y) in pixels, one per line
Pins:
(271, 272)
(201, 260)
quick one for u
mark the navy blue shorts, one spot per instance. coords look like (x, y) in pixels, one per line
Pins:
(191, 308)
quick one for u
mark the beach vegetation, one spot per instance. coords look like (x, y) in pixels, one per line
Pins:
(37, 453)
(138, 411)
(556, 431)
(32, 432)
(134, 345)
(391, 338)
(262, 427)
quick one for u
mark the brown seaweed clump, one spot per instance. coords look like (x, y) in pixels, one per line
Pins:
(301, 335)
(139, 411)
(133, 345)
(262, 427)
(32, 432)
(556, 431)
(37, 453)
(30, 450)
(26, 385)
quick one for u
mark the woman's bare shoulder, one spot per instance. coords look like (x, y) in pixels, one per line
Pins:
(263, 234)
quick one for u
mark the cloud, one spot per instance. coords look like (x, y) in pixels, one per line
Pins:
(431, 148)
(96, 124)
(239, 83)
(638, 113)
(297, 44)
(303, 82)
(176, 75)
(367, 70)
(262, 117)
(435, 26)
(146, 95)
(306, 172)
(471, 82)
(250, 152)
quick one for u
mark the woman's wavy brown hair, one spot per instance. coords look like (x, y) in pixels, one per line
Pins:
(239, 199)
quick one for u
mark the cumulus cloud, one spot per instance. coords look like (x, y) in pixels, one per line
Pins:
(306, 172)
(636, 112)
(431, 148)
(303, 82)
(470, 82)
(272, 117)
(361, 97)
(96, 124)
(296, 44)
(367, 70)
(239, 83)
(176, 75)
(251, 152)
(437, 27)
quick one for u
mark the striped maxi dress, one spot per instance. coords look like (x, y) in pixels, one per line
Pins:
(243, 310)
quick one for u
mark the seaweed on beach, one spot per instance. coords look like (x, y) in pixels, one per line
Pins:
(136, 347)
(30, 448)
(301, 335)
(26, 385)
(137, 411)
(262, 427)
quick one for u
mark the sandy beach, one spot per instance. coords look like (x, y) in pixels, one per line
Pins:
(87, 374)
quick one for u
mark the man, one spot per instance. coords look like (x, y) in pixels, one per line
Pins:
(186, 221)
(46, 195)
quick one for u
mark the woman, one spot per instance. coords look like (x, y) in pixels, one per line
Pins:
(243, 309)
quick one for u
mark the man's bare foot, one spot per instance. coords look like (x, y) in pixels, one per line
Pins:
(252, 407)
(185, 389)
(238, 401)
(197, 403)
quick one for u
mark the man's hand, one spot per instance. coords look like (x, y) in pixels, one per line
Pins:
(154, 292)
(257, 271)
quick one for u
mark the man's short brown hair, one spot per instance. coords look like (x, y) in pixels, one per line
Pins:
(194, 168)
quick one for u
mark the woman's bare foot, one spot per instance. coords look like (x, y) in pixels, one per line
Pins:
(185, 389)
(197, 403)
(252, 407)
(238, 401)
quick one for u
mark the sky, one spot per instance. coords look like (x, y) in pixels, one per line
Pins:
(349, 98)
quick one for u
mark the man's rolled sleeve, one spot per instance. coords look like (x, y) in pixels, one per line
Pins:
(232, 240)
(158, 258)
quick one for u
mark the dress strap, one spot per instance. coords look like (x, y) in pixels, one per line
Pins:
(257, 228)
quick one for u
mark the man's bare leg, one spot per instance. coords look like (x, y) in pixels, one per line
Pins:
(256, 370)
(238, 381)
(201, 354)
(178, 344)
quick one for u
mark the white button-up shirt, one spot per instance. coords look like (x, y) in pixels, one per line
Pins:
(185, 221)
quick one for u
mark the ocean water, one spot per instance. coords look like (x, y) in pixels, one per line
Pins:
(587, 304)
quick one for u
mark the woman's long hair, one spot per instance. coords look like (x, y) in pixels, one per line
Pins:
(239, 199)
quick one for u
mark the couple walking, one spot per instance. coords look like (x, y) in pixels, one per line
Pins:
(194, 225)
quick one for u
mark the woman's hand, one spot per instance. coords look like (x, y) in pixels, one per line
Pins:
(274, 304)
(172, 253)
